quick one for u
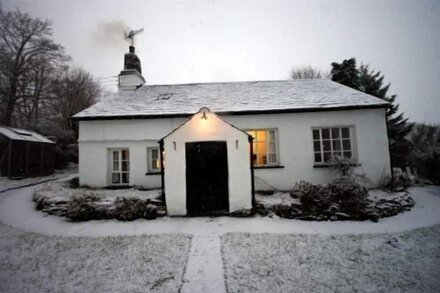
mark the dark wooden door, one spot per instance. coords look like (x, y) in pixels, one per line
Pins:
(206, 177)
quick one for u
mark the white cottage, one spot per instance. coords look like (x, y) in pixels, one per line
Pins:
(210, 145)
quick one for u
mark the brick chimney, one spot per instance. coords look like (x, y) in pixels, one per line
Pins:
(131, 77)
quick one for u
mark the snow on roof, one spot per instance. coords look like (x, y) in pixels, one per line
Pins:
(23, 134)
(230, 97)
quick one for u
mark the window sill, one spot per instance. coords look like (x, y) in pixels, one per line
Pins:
(152, 173)
(269, 167)
(332, 165)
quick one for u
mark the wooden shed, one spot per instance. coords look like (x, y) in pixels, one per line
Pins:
(25, 153)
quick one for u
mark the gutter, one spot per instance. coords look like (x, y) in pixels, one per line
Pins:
(246, 112)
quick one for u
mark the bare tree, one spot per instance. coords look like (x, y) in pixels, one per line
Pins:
(71, 91)
(307, 72)
(27, 54)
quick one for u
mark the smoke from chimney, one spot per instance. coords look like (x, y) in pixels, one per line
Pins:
(110, 35)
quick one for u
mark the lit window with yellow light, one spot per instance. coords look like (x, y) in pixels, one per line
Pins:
(265, 146)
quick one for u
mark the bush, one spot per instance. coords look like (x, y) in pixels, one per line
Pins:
(343, 197)
(313, 197)
(83, 207)
(349, 195)
(128, 209)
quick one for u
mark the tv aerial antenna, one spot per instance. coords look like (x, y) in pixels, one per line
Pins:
(130, 35)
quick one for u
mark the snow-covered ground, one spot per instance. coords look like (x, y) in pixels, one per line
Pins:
(37, 263)
(17, 210)
(319, 256)
(278, 198)
(7, 184)
(399, 262)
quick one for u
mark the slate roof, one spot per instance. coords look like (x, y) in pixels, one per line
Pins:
(23, 134)
(230, 97)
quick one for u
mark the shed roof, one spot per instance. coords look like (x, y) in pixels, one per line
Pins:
(23, 134)
(230, 97)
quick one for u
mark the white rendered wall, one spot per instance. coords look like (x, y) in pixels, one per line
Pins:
(97, 138)
(212, 129)
(295, 145)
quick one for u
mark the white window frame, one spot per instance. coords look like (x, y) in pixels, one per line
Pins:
(351, 138)
(119, 169)
(150, 164)
(276, 148)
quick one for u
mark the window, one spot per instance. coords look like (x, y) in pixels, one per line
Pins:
(153, 159)
(329, 142)
(264, 146)
(120, 167)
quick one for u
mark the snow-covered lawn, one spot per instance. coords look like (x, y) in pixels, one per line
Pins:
(6, 183)
(407, 261)
(36, 263)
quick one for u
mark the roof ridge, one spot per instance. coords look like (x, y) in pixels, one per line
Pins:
(232, 82)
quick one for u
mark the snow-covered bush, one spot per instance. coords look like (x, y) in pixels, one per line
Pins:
(83, 208)
(343, 198)
(67, 199)
(128, 209)
(350, 196)
(314, 197)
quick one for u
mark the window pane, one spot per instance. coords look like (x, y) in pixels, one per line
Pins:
(316, 134)
(154, 154)
(337, 154)
(347, 154)
(346, 144)
(345, 132)
(272, 158)
(271, 147)
(261, 148)
(263, 160)
(335, 133)
(155, 164)
(318, 158)
(115, 155)
(325, 133)
(115, 178)
(326, 145)
(261, 135)
(336, 145)
(125, 178)
(116, 166)
(317, 146)
(124, 154)
(125, 166)
(327, 156)
(272, 135)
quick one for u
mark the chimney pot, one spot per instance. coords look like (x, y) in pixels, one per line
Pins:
(131, 48)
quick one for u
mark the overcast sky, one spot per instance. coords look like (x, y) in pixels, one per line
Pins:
(205, 41)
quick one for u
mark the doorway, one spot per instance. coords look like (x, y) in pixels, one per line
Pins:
(206, 177)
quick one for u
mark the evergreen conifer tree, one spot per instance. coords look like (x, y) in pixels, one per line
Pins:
(371, 82)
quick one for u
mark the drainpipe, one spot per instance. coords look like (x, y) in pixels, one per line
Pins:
(162, 171)
(389, 147)
(251, 139)
(10, 158)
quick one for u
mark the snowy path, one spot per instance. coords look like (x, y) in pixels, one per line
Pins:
(16, 210)
(204, 270)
